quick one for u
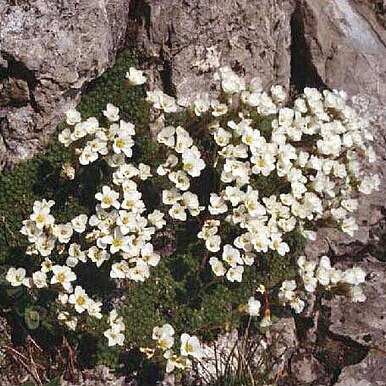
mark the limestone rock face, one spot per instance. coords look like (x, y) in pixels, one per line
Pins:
(48, 51)
(364, 322)
(370, 372)
(187, 41)
(346, 44)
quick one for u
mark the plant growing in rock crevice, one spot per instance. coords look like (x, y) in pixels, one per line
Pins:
(240, 180)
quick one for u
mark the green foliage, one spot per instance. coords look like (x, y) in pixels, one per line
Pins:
(32, 318)
(41, 177)
(181, 290)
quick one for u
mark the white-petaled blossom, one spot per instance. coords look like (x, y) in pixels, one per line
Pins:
(135, 77)
(253, 307)
(63, 275)
(111, 112)
(190, 346)
(16, 276)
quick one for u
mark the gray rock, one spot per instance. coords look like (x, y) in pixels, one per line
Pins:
(370, 372)
(283, 343)
(346, 44)
(49, 50)
(364, 322)
(305, 368)
(189, 40)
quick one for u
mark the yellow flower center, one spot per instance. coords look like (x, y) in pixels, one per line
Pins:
(61, 277)
(40, 218)
(188, 167)
(117, 243)
(107, 200)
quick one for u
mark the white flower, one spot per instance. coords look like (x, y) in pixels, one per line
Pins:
(178, 212)
(192, 162)
(108, 198)
(65, 137)
(79, 223)
(231, 83)
(111, 113)
(217, 204)
(16, 276)
(88, 156)
(232, 256)
(175, 362)
(45, 245)
(79, 299)
(46, 265)
(253, 307)
(180, 179)
(91, 125)
(323, 272)
(149, 256)
(42, 217)
(222, 136)
(144, 171)
(156, 218)
(123, 144)
(75, 255)
(114, 336)
(218, 108)
(166, 329)
(166, 136)
(357, 294)
(120, 270)
(70, 321)
(278, 245)
(213, 243)
(72, 117)
(135, 76)
(140, 272)
(235, 274)
(217, 266)
(30, 230)
(190, 346)
(369, 184)
(117, 241)
(349, 226)
(63, 232)
(94, 309)
(98, 256)
(278, 93)
(201, 104)
(39, 279)
(80, 131)
(162, 101)
(164, 336)
(297, 304)
(287, 291)
(126, 128)
(354, 276)
(64, 276)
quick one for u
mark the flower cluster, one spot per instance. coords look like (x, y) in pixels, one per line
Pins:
(115, 142)
(114, 333)
(318, 149)
(190, 347)
(180, 166)
(322, 274)
(314, 157)
(120, 231)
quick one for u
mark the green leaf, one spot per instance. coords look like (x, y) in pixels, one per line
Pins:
(32, 318)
